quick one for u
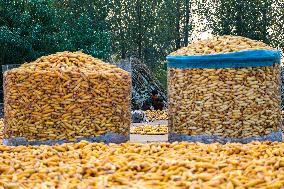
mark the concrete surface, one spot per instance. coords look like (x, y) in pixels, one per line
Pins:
(148, 138)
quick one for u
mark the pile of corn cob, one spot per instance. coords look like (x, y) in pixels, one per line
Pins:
(221, 44)
(66, 96)
(154, 165)
(156, 115)
(227, 102)
(150, 130)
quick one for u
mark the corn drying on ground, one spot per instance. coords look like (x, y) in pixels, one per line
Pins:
(150, 130)
(156, 165)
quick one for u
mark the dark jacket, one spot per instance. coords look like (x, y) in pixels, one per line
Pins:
(156, 103)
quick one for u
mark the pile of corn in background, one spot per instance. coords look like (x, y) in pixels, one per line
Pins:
(153, 115)
(149, 130)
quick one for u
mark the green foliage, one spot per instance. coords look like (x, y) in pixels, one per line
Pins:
(255, 19)
(147, 29)
(30, 29)
(160, 72)
(276, 27)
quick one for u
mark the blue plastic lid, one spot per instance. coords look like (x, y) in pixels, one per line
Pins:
(250, 58)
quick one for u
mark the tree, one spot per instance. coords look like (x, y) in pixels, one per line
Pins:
(255, 19)
(276, 29)
(177, 20)
(45, 28)
(149, 30)
(186, 25)
(84, 26)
